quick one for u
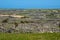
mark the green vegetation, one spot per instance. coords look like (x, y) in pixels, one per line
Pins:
(28, 36)
(5, 21)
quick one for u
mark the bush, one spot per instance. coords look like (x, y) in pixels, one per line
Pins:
(5, 21)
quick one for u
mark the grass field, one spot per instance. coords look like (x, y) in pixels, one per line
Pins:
(28, 36)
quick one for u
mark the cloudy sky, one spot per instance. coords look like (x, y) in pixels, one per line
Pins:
(29, 3)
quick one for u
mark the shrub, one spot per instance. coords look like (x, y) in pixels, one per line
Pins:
(5, 21)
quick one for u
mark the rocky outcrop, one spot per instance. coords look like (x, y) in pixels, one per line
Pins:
(32, 22)
(30, 28)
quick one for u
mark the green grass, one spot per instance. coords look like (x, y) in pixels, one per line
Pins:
(28, 36)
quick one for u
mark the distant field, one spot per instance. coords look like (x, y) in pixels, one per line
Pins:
(28, 36)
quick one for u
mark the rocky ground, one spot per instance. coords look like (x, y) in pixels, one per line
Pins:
(34, 21)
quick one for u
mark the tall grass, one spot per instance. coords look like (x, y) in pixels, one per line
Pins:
(30, 36)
